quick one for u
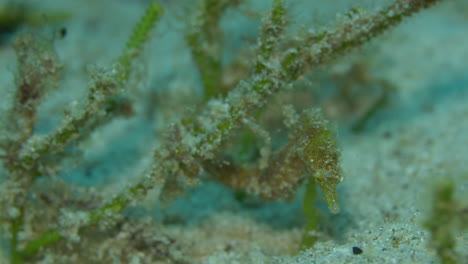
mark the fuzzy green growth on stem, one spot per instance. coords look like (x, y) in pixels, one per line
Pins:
(271, 34)
(138, 38)
(120, 202)
(209, 67)
(113, 207)
(103, 95)
(205, 40)
(311, 214)
(33, 247)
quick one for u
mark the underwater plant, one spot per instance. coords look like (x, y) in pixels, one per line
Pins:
(37, 226)
(446, 217)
